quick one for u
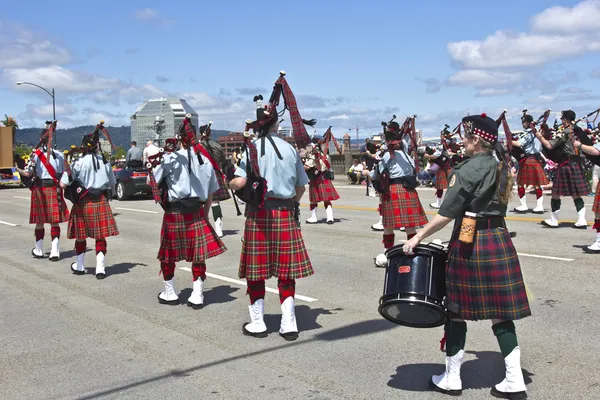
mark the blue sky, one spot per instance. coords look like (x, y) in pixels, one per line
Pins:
(348, 62)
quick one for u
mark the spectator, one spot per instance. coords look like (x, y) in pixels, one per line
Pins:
(150, 150)
(134, 156)
(355, 173)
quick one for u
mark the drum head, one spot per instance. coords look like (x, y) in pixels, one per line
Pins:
(421, 250)
(414, 313)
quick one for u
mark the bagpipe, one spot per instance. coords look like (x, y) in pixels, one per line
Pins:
(45, 140)
(395, 135)
(320, 153)
(447, 146)
(92, 144)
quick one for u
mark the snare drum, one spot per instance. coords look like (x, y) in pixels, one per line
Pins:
(415, 286)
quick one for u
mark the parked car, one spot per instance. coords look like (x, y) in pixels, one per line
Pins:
(130, 181)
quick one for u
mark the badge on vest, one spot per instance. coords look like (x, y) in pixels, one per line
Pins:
(452, 181)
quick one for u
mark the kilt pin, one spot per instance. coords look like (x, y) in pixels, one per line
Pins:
(92, 218)
(401, 208)
(531, 172)
(47, 207)
(273, 247)
(484, 278)
(569, 180)
(188, 237)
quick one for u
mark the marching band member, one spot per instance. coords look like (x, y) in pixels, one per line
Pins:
(531, 171)
(320, 188)
(399, 204)
(222, 193)
(483, 275)
(593, 150)
(273, 245)
(190, 182)
(47, 202)
(569, 180)
(91, 216)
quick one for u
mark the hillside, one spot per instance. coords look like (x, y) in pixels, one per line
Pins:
(121, 135)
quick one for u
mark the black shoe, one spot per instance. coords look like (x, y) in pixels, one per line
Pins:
(289, 336)
(35, 255)
(439, 389)
(508, 395)
(548, 225)
(100, 275)
(513, 234)
(75, 271)
(195, 306)
(580, 227)
(167, 302)
(520, 211)
(54, 258)
(330, 222)
(256, 335)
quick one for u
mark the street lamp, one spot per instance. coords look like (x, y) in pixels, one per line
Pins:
(53, 102)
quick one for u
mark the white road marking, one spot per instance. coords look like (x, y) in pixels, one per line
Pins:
(8, 223)
(136, 210)
(243, 283)
(546, 257)
(24, 198)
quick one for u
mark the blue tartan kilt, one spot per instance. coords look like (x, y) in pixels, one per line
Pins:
(484, 278)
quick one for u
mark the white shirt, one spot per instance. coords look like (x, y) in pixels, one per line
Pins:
(356, 168)
(149, 151)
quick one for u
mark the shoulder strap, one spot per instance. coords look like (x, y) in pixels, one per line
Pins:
(47, 165)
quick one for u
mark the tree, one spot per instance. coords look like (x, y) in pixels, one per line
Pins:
(23, 150)
(120, 152)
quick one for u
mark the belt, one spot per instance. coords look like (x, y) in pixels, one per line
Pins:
(490, 223)
(398, 181)
(176, 205)
(48, 183)
(272, 204)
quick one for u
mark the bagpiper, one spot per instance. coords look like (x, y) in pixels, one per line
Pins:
(594, 151)
(320, 187)
(47, 167)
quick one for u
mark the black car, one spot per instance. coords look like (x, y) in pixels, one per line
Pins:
(130, 181)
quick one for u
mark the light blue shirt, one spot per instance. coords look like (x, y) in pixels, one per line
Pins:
(201, 183)
(57, 161)
(529, 143)
(283, 176)
(401, 165)
(83, 170)
(597, 146)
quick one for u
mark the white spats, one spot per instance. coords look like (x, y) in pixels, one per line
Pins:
(219, 227)
(55, 251)
(257, 327)
(379, 225)
(596, 245)
(523, 207)
(169, 296)
(38, 250)
(450, 382)
(513, 383)
(288, 328)
(381, 261)
(196, 300)
(437, 203)
(313, 217)
(100, 271)
(581, 222)
(539, 207)
(553, 220)
(329, 214)
(77, 267)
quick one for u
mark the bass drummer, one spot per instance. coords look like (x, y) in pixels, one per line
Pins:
(483, 276)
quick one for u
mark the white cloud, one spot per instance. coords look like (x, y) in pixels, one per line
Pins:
(493, 92)
(478, 77)
(338, 117)
(583, 17)
(146, 13)
(20, 47)
(44, 111)
(60, 78)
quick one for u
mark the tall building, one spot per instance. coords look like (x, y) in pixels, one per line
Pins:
(104, 145)
(158, 119)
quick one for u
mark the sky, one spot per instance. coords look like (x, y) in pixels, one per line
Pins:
(349, 63)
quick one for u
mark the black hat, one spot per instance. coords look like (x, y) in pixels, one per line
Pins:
(482, 126)
(527, 118)
(569, 115)
(89, 141)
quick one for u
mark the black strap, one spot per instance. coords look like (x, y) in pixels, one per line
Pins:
(262, 144)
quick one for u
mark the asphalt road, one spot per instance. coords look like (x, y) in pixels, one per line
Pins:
(74, 337)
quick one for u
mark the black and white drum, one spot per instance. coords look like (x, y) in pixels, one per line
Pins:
(415, 286)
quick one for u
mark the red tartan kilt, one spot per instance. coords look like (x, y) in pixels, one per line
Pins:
(92, 219)
(441, 179)
(188, 237)
(46, 207)
(222, 193)
(569, 181)
(321, 190)
(402, 208)
(531, 173)
(273, 246)
(596, 206)
(485, 279)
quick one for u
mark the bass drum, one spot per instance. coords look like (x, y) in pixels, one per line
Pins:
(415, 287)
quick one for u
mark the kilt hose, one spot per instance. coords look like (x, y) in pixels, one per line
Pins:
(321, 189)
(596, 206)
(484, 278)
(47, 207)
(569, 181)
(441, 178)
(401, 208)
(531, 172)
(92, 218)
(222, 193)
(273, 246)
(188, 237)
